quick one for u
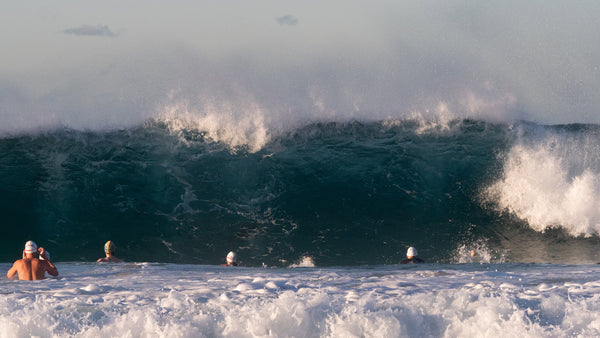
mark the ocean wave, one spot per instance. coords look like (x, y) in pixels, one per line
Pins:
(193, 192)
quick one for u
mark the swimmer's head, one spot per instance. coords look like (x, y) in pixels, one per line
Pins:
(30, 247)
(411, 252)
(109, 247)
(231, 257)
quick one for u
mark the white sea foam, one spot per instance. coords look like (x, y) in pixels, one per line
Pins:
(235, 126)
(477, 252)
(304, 262)
(168, 300)
(245, 123)
(552, 182)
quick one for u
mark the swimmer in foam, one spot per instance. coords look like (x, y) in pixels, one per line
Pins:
(109, 250)
(231, 259)
(305, 262)
(34, 264)
(412, 257)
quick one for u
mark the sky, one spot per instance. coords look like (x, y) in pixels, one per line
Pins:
(105, 64)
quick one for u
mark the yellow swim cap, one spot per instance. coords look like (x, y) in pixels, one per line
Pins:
(109, 247)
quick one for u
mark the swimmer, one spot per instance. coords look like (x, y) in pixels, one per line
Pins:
(412, 257)
(109, 250)
(34, 264)
(231, 259)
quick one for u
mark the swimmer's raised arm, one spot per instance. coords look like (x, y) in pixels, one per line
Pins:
(49, 266)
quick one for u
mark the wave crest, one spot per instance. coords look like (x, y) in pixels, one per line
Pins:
(554, 182)
(220, 123)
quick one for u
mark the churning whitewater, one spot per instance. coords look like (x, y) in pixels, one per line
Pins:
(171, 300)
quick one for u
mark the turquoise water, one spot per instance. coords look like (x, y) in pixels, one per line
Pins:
(344, 193)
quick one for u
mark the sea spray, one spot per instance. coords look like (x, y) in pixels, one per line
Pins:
(551, 178)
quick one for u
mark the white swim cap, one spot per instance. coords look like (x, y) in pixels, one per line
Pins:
(231, 257)
(411, 252)
(30, 247)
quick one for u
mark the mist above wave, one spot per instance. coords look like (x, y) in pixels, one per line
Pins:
(389, 61)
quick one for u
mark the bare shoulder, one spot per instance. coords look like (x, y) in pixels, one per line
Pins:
(17, 265)
(20, 264)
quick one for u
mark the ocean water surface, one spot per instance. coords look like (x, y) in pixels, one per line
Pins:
(174, 300)
(283, 130)
(353, 196)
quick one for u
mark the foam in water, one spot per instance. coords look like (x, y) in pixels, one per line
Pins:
(477, 252)
(304, 262)
(168, 300)
(552, 182)
(241, 127)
